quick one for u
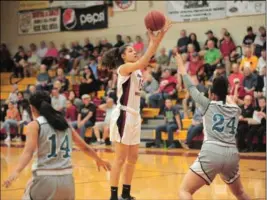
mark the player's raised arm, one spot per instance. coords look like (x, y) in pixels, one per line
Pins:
(195, 94)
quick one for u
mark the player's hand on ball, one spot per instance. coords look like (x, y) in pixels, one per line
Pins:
(180, 64)
(157, 37)
(104, 164)
(10, 179)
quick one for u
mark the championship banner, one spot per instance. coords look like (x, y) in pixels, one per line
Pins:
(33, 5)
(186, 11)
(75, 4)
(237, 8)
(91, 18)
(123, 5)
(39, 21)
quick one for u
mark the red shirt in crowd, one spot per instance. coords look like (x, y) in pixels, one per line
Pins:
(227, 47)
(193, 67)
(71, 113)
(233, 76)
(166, 84)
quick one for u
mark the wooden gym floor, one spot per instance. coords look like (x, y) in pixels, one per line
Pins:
(157, 177)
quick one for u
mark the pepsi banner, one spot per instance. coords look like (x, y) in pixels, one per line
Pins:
(90, 18)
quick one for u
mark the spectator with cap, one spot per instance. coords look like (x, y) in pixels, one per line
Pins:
(250, 37)
(182, 42)
(249, 60)
(210, 36)
(120, 42)
(193, 40)
(261, 61)
(86, 115)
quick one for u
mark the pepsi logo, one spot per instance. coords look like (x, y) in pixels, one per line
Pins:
(69, 19)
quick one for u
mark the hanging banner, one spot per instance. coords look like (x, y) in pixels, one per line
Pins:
(33, 5)
(75, 4)
(39, 21)
(91, 18)
(123, 5)
(186, 11)
(237, 8)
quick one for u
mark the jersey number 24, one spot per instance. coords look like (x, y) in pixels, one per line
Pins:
(64, 146)
(219, 124)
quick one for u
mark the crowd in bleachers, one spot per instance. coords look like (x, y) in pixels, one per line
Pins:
(84, 90)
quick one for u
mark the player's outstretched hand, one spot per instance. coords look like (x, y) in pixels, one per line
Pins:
(104, 164)
(180, 64)
(10, 179)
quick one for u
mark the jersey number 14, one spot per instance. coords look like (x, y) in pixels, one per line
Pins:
(63, 147)
(219, 124)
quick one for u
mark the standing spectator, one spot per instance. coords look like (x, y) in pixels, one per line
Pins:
(71, 111)
(210, 36)
(193, 40)
(261, 61)
(120, 42)
(250, 37)
(163, 59)
(249, 60)
(13, 96)
(43, 79)
(58, 101)
(250, 81)
(60, 76)
(260, 41)
(41, 52)
(139, 45)
(173, 122)
(86, 116)
(88, 45)
(6, 63)
(108, 107)
(88, 82)
(182, 42)
(129, 41)
(166, 89)
(12, 119)
(235, 75)
(211, 58)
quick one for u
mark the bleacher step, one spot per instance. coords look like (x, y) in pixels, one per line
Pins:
(155, 121)
(148, 126)
(147, 134)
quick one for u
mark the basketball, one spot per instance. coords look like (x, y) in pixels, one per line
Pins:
(155, 20)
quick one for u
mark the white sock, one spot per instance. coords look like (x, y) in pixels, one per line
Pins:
(98, 139)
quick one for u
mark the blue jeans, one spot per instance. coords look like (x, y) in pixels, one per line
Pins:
(170, 128)
(156, 100)
(83, 127)
(193, 131)
(10, 123)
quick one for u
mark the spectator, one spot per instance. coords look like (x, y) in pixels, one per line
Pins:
(166, 89)
(210, 36)
(182, 42)
(258, 129)
(172, 62)
(105, 45)
(193, 40)
(261, 61)
(74, 100)
(173, 122)
(63, 50)
(6, 62)
(260, 83)
(120, 42)
(58, 101)
(249, 60)
(93, 65)
(108, 107)
(13, 96)
(34, 60)
(260, 41)
(71, 111)
(139, 45)
(211, 58)
(196, 65)
(223, 31)
(20, 63)
(235, 75)
(238, 91)
(243, 126)
(129, 41)
(51, 55)
(250, 37)
(19, 102)
(190, 51)
(60, 76)
(103, 74)
(195, 129)
(12, 119)
(75, 50)
(88, 45)
(150, 86)
(86, 116)
(250, 81)
(30, 90)
(220, 71)
(163, 59)
(88, 82)
(41, 52)
(43, 79)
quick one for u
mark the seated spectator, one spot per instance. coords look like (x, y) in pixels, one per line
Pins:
(172, 62)
(88, 45)
(106, 44)
(13, 96)
(86, 116)
(182, 42)
(249, 60)
(74, 100)
(88, 82)
(163, 59)
(264, 74)
(195, 65)
(258, 129)
(173, 122)
(108, 107)
(104, 74)
(210, 36)
(71, 111)
(43, 79)
(193, 40)
(250, 37)
(120, 42)
(63, 50)
(211, 58)
(166, 89)
(243, 126)
(235, 75)
(11, 120)
(6, 62)
(260, 41)
(261, 61)
(223, 31)
(250, 81)
(220, 71)
(238, 91)
(139, 45)
(58, 101)
(260, 83)
(20, 60)
(150, 86)
(195, 129)
(129, 41)
(190, 51)
(60, 76)
(75, 50)
(93, 65)
(31, 89)
(41, 52)
(51, 55)
(34, 60)
(19, 102)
